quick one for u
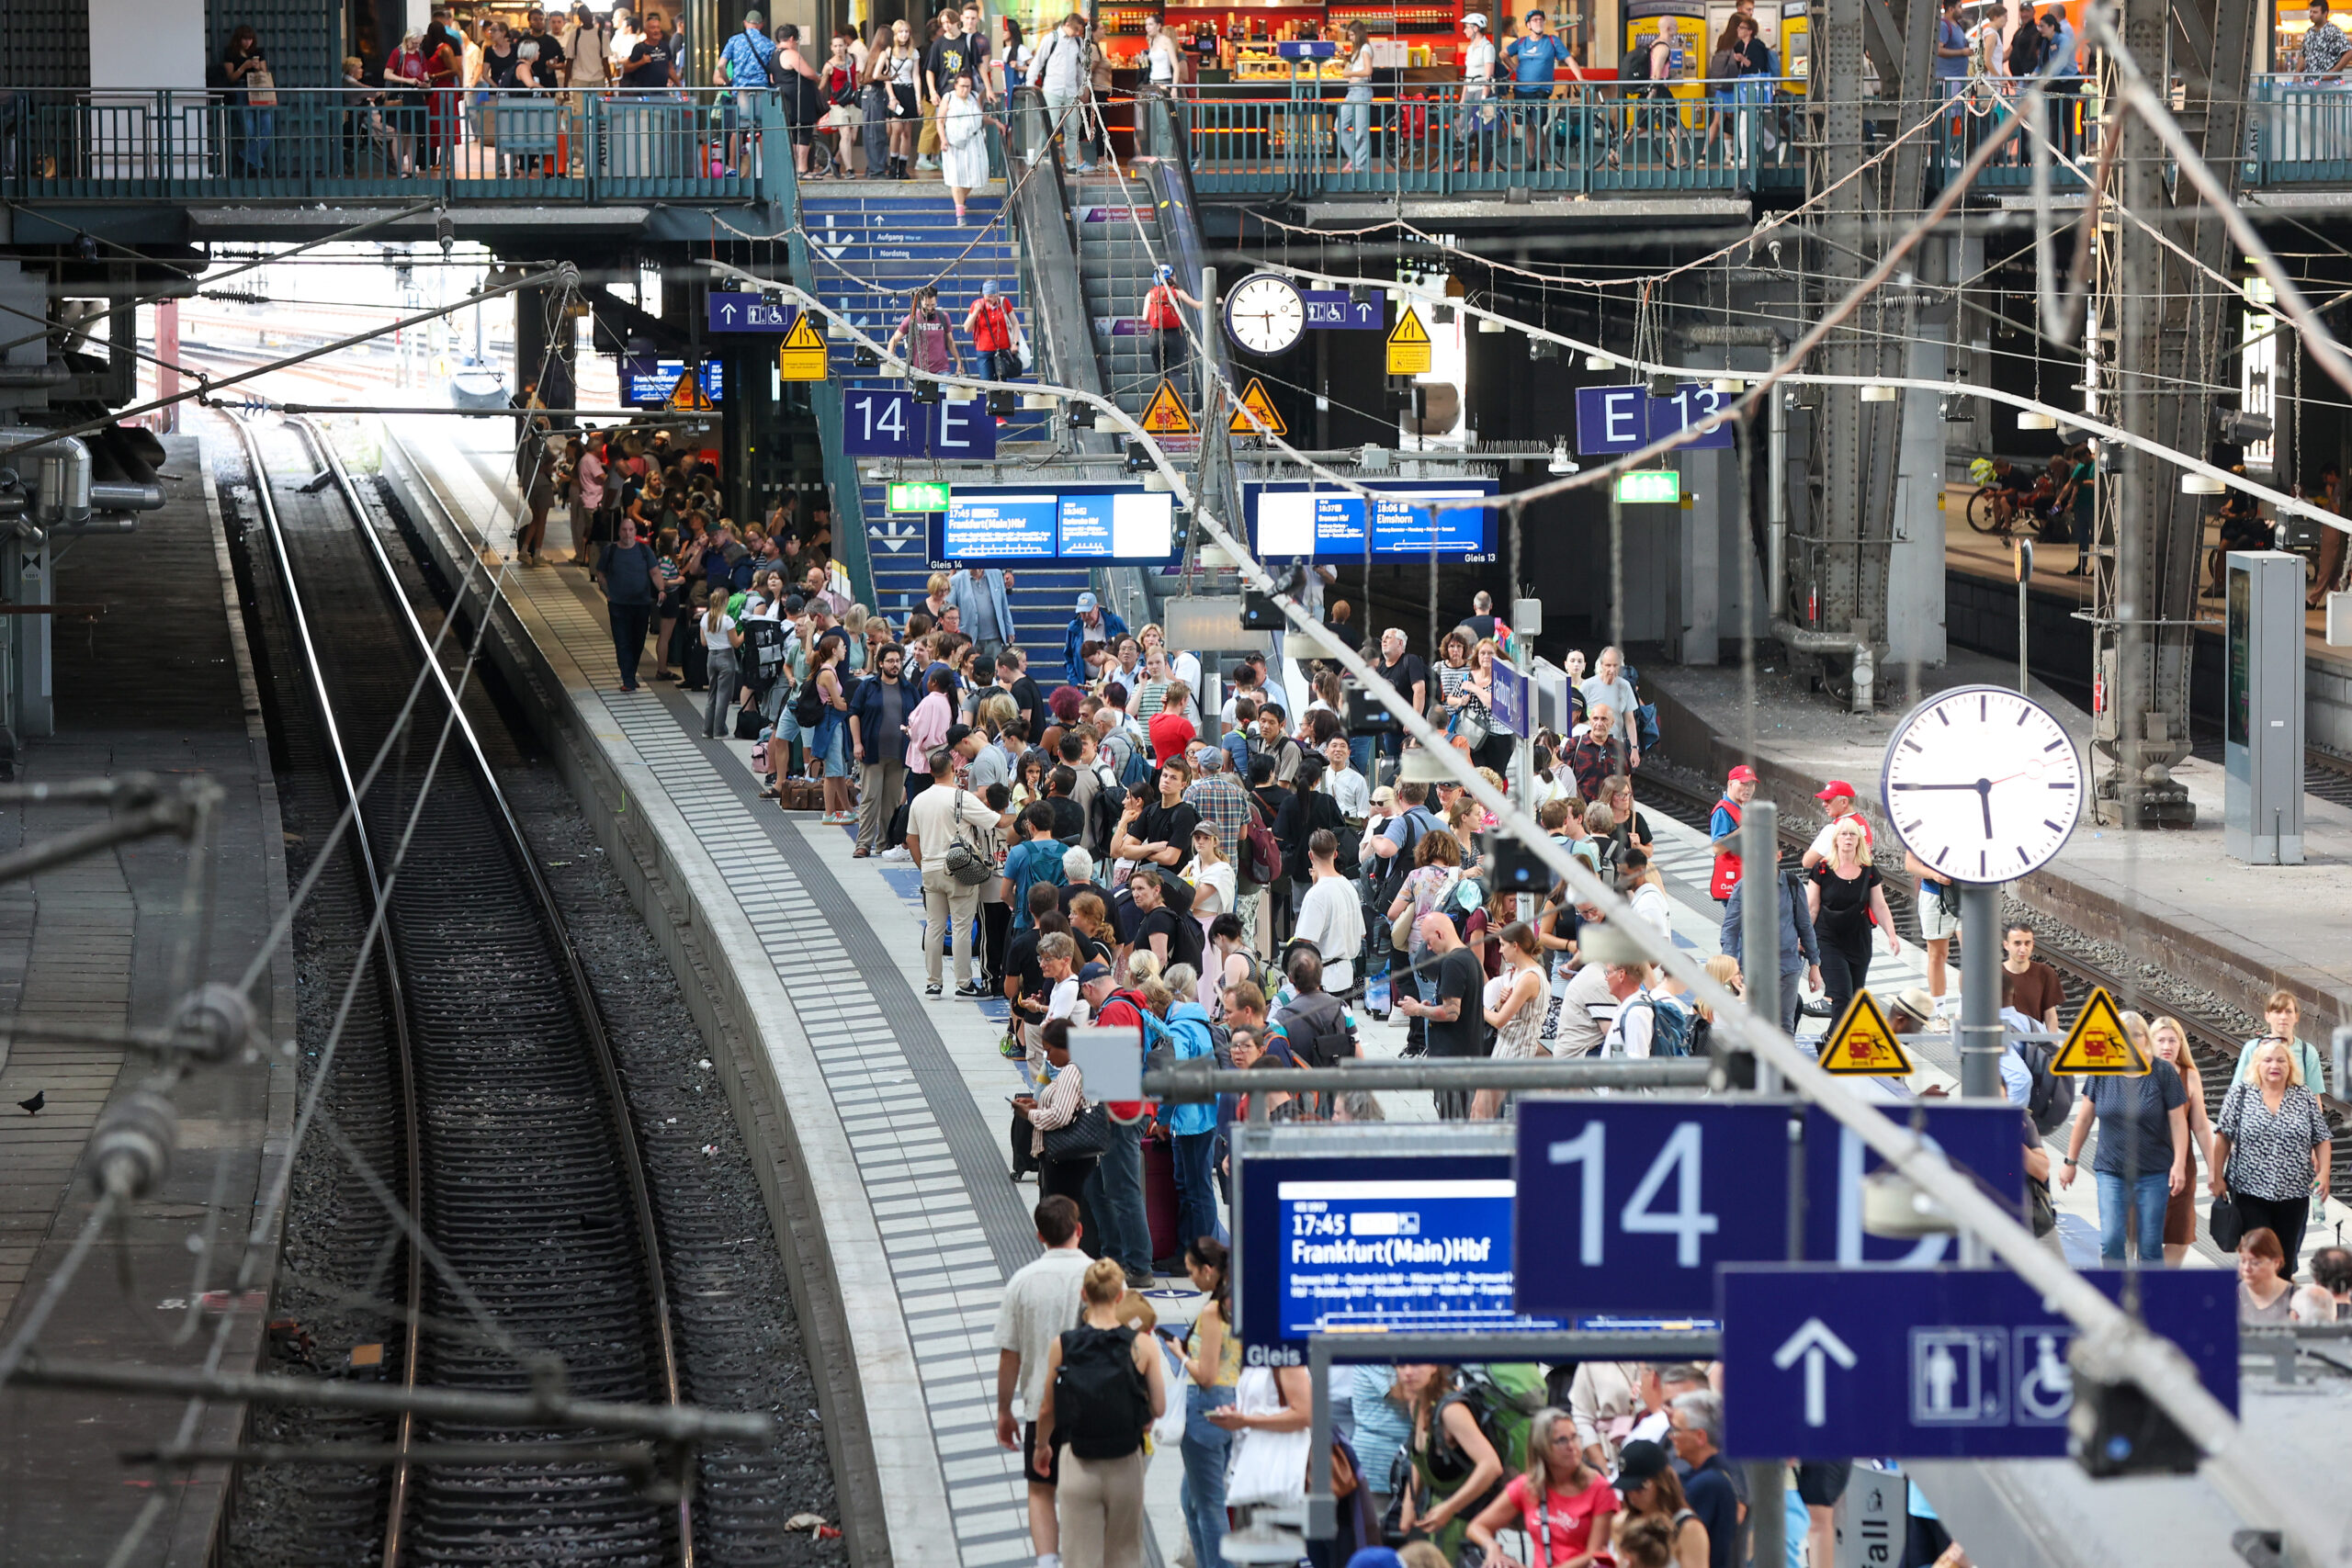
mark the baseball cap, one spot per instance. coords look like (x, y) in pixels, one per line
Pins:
(1085, 603)
(1640, 1461)
(755, 18)
(1743, 774)
(1835, 789)
(1093, 972)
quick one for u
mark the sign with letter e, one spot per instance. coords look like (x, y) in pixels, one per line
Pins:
(1933, 1363)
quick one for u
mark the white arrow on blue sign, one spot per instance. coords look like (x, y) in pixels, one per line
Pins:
(1338, 309)
(1825, 1363)
(749, 313)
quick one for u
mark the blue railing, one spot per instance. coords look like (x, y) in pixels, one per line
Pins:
(331, 144)
(1981, 110)
(1448, 139)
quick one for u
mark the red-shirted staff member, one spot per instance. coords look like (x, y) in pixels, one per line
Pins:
(996, 332)
(1723, 832)
(1837, 797)
(1160, 319)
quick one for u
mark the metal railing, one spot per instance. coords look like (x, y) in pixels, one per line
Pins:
(2299, 131)
(1441, 139)
(340, 145)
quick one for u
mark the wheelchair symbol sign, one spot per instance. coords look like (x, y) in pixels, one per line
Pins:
(2045, 1390)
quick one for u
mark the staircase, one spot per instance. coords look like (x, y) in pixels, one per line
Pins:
(870, 245)
(1119, 243)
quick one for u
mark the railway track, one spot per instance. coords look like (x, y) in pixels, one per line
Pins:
(2213, 1042)
(537, 1254)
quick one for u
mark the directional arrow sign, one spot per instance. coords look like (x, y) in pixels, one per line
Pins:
(1818, 1345)
(731, 312)
(1962, 1363)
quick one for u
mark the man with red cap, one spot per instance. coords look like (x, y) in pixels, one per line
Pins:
(1722, 829)
(1836, 797)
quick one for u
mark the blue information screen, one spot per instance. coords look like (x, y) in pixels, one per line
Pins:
(653, 380)
(983, 526)
(1101, 522)
(1408, 1244)
(1292, 520)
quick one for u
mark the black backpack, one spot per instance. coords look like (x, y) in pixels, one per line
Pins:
(762, 653)
(1317, 1029)
(809, 707)
(2051, 1099)
(1101, 1402)
(1102, 813)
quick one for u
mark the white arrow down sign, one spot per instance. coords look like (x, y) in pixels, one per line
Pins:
(1818, 1344)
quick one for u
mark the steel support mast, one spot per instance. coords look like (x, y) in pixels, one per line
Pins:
(2162, 323)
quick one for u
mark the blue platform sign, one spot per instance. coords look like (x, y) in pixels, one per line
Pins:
(749, 313)
(1338, 310)
(1987, 1141)
(1630, 1205)
(886, 422)
(1823, 1364)
(1512, 705)
(1625, 418)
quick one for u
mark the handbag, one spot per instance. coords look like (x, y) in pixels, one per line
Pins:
(966, 862)
(748, 724)
(1400, 1489)
(1169, 1430)
(2225, 1222)
(1474, 724)
(1086, 1135)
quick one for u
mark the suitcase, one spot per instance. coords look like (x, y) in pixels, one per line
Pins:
(1159, 1205)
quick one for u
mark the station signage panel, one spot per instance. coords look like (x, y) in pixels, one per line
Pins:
(647, 382)
(1298, 520)
(1612, 420)
(886, 422)
(1106, 523)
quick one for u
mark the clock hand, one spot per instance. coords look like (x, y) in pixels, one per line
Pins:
(1984, 798)
(1973, 784)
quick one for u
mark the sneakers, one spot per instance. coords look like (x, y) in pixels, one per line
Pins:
(932, 988)
(971, 990)
(897, 851)
(1140, 1280)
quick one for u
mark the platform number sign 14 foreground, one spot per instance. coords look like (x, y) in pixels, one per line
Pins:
(1983, 784)
(1629, 1207)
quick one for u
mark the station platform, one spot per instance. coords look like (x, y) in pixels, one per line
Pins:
(2172, 899)
(160, 682)
(1981, 612)
(895, 1104)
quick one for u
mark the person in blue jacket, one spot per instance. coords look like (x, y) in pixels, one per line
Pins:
(980, 597)
(1192, 1128)
(1091, 623)
(878, 707)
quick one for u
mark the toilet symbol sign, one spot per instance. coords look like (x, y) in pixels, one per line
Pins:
(1822, 1363)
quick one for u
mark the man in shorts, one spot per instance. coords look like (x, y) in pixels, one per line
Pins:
(1040, 1301)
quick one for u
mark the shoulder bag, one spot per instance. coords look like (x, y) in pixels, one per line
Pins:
(2225, 1222)
(1085, 1136)
(968, 863)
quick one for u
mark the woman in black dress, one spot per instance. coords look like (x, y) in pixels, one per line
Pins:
(1845, 900)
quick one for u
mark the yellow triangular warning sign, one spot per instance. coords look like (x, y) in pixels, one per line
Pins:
(1408, 346)
(1166, 413)
(1255, 402)
(2097, 1047)
(1863, 1044)
(688, 392)
(801, 356)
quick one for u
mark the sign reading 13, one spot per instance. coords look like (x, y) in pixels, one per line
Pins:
(1629, 1206)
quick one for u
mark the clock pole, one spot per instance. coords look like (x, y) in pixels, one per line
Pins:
(1980, 990)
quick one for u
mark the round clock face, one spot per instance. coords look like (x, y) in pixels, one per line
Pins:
(1982, 783)
(1264, 314)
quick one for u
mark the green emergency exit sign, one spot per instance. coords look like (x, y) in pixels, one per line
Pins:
(1649, 486)
(918, 495)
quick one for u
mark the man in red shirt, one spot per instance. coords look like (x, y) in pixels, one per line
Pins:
(1837, 797)
(995, 329)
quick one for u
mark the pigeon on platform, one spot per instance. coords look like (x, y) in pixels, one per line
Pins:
(33, 1107)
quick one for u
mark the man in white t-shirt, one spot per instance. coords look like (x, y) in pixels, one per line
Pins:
(935, 819)
(1588, 1008)
(1837, 797)
(1609, 688)
(1040, 1301)
(1331, 915)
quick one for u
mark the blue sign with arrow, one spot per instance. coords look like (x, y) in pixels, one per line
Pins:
(1826, 1363)
(1338, 310)
(749, 313)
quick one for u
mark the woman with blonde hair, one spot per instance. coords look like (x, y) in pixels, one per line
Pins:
(1098, 1496)
(1562, 1505)
(1845, 900)
(2271, 1147)
(2168, 1042)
